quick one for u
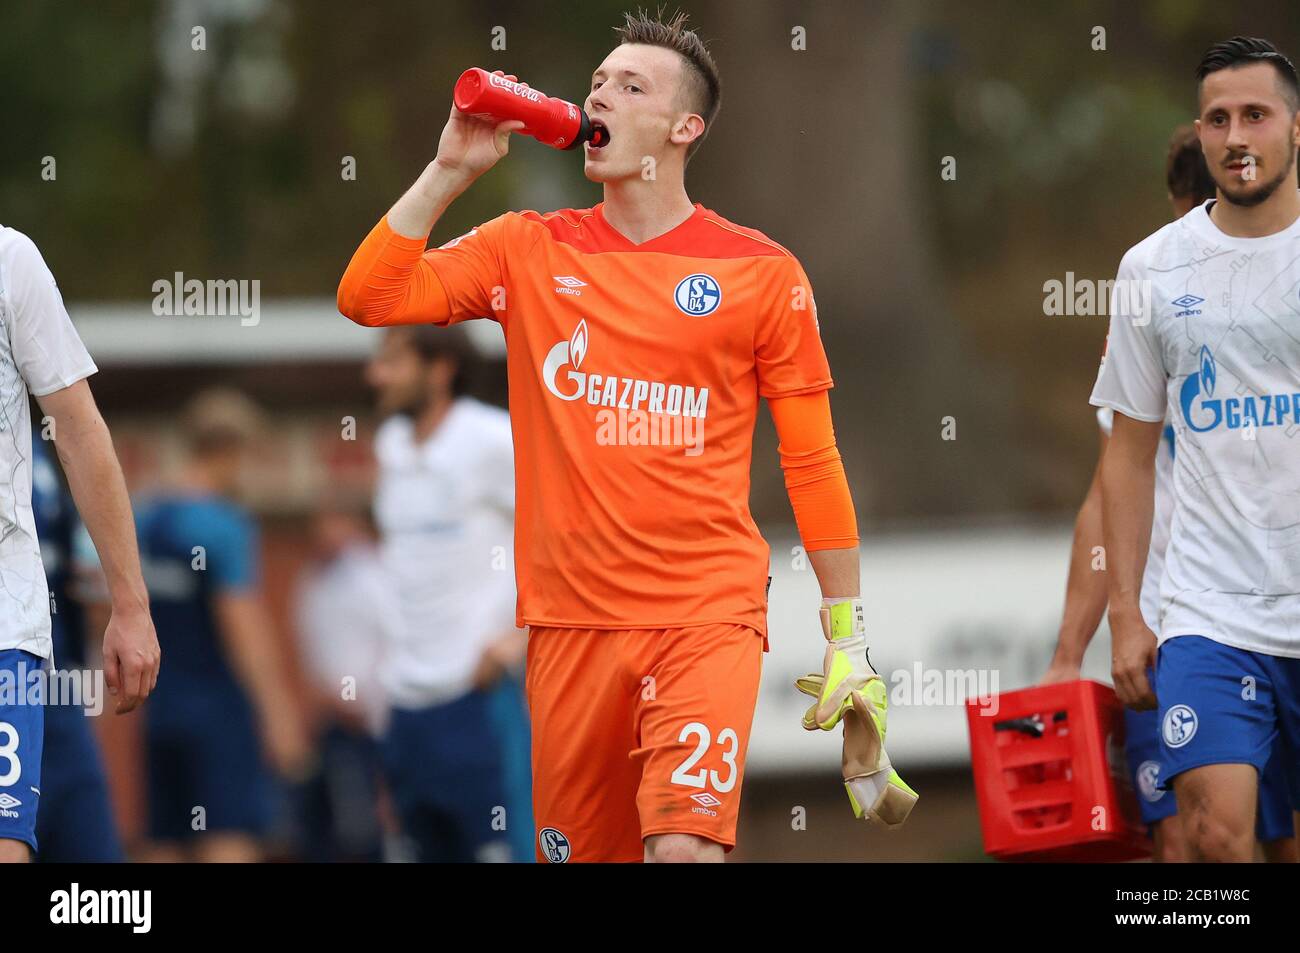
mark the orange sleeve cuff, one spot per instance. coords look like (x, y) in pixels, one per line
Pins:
(388, 282)
(814, 473)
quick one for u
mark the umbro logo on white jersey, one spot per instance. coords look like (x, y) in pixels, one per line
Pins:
(568, 285)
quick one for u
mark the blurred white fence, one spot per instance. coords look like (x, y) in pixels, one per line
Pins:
(947, 612)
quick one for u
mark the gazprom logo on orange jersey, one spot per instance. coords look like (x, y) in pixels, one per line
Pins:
(623, 393)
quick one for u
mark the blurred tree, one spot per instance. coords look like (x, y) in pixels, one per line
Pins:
(229, 160)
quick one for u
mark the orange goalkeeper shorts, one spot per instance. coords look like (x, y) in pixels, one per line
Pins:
(638, 732)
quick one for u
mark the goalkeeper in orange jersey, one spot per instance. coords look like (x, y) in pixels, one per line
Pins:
(640, 335)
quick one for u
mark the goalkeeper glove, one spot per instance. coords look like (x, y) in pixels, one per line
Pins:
(848, 690)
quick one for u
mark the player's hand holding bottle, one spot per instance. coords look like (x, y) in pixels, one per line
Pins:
(469, 146)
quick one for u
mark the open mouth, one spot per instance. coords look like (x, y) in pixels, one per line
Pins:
(599, 134)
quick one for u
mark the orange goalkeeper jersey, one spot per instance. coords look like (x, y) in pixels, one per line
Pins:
(634, 375)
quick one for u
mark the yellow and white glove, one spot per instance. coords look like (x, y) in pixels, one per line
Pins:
(848, 690)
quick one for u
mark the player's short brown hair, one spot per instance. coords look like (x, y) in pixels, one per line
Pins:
(1186, 173)
(702, 86)
(221, 419)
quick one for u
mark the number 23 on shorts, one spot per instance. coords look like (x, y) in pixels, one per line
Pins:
(687, 774)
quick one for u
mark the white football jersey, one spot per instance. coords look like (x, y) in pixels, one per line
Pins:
(445, 509)
(1218, 349)
(40, 353)
(1162, 516)
(346, 622)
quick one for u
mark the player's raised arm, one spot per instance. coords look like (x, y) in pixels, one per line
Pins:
(1085, 586)
(388, 282)
(467, 148)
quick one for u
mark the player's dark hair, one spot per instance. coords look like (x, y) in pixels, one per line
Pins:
(703, 84)
(432, 343)
(1186, 173)
(1245, 50)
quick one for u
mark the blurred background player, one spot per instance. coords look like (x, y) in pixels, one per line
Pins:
(1214, 358)
(224, 717)
(642, 574)
(1189, 185)
(42, 356)
(346, 620)
(75, 823)
(456, 749)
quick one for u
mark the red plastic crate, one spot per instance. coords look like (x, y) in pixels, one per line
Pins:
(1050, 776)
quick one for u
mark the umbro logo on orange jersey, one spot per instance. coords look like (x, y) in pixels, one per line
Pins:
(570, 285)
(707, 802)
